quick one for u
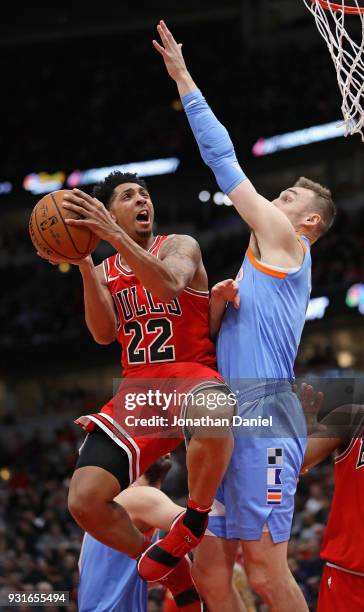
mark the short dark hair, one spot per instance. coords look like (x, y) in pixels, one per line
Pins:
(158, 470)
(323, 203)
(104, 191)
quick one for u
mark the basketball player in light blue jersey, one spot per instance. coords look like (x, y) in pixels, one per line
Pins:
(256, 348)
(109, 580)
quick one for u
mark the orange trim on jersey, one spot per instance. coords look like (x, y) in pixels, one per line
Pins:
(259, 266)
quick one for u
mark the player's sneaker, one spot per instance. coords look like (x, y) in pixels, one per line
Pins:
(179, 582)
(162, 557)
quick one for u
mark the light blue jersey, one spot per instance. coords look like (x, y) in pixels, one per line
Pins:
(256, 350)
(260, 339)
(109, 581)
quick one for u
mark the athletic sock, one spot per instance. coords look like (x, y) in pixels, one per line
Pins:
(195, 518)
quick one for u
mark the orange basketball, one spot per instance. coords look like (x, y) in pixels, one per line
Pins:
(51, 236)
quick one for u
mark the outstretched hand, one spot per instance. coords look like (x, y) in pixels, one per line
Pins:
(228, 291)
(311, 404)
(171, 51)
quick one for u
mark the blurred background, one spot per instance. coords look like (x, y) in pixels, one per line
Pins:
(83, 92)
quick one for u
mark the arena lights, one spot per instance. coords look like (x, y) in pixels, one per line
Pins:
(64, 267)
(345, 359)
(316, 308)
(218, 198)
(355, 297)
(6, 187)
(281, 142)
(153, 167)
(204, 196)
(43, 182)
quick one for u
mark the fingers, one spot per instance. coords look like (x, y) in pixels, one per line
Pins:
(74, 200)
(163, 35)
(318, 400)
(53, 262)
(159, 48)
(166, 35)
(80, 198)
(85, 196)
(166, 31)
(79, 222)
(77, 209)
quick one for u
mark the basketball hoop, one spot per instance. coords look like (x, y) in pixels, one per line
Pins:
(332, 20)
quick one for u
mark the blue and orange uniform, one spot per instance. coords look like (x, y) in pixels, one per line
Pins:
(256, 350)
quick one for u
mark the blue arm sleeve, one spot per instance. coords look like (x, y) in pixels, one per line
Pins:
(214, 142)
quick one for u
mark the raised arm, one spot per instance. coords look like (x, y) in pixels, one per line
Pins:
(269, 224)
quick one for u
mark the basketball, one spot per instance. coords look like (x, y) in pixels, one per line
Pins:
(52, 237)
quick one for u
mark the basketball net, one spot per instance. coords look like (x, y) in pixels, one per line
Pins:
(347, 54)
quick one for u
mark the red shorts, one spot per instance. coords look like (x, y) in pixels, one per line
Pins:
(340, 591)
(141, 417)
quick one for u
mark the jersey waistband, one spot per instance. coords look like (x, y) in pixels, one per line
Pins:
(343, 569)
(248, 391)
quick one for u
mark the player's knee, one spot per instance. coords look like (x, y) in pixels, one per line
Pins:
(213, 584)
(82, 503)
(261, 581)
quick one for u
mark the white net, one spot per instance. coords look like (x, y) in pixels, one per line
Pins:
(347, 53)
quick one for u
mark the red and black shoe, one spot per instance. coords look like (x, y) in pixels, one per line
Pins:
(180, 583)
(163, 556)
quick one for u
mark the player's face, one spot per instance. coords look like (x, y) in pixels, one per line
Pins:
(296, 203)
(133, 210)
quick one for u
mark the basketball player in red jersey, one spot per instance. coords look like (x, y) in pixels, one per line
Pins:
(342, 582)
(158, 287)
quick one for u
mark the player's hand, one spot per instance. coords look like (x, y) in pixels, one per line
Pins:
(92, 212)
(171, 52)
(311, 404)
(227, 291)
(55, 261)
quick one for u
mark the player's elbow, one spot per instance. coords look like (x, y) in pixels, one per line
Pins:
(170, 291)
(104, 338)
(168, 294)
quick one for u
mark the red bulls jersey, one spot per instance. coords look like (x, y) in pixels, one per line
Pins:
(154, 332)
(343, 543)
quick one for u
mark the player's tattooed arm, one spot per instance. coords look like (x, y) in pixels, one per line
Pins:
(99, 309)
(181, 254)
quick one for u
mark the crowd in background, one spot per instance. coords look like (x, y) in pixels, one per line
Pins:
(40, 542)
(110, 100)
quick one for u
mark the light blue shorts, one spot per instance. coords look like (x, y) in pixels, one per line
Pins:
(257, 491)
